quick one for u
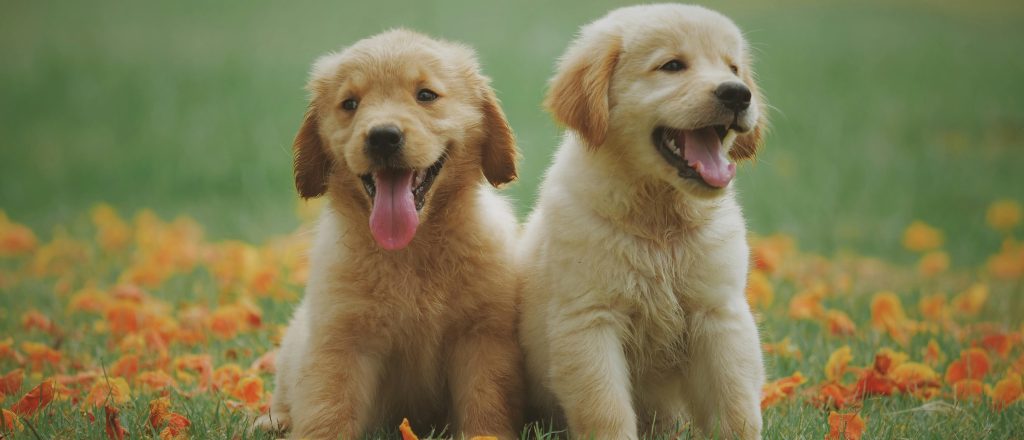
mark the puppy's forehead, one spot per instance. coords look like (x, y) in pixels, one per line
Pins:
(402, 56)
(677, 28)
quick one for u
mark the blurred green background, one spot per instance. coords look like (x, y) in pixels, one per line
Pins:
(883, 112)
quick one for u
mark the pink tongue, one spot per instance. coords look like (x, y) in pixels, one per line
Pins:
(702, 150)
(393, 220)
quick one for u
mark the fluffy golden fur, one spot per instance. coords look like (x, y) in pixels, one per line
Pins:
(427, 332)
(634, 317)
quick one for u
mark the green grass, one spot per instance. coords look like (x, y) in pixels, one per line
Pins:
(883, 113)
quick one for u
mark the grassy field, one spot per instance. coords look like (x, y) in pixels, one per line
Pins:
(884, 113)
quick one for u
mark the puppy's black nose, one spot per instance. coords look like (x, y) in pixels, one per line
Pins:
(383, 141)
(734, 96)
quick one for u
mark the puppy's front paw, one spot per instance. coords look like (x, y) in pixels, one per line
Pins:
(275, 423)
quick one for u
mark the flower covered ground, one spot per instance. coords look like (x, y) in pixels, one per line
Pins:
(138, 327)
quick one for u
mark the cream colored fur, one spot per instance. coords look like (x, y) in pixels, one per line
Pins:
(427, 332)
(634, 317)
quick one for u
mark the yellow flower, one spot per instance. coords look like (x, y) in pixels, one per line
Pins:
(933, 263)
(1004, 215)
(759, 289)
(837, 362)
(972, 300)
(920, 237)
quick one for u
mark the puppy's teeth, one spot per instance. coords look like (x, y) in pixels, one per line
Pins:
(730, 136)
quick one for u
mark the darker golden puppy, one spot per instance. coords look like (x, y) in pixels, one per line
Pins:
(409, 309)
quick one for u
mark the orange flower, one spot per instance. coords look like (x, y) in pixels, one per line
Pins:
(39, 355)
(886, 359)
(806, 304)
(89, 299)
(932, 354)
(35, 319)
(113, 424)
(933, 307)
(873, 383)
(837, 363)
(160, 414)
(887, 314)
(108, 390)
(406, 431)
(840, 324)
(933, 263)
(10, 383)
(968, 389)
(783, 348)
(848, 426)
(200, 364)
(15, 239)
(920, 237)
(971, 300)
(9, 421)
(973, 364)
(832, 395)
(1007, 391)
(773, 392)
(249, 390)
(1008, 264)
(154, 380)
(37, 398)
(226, 377)
(1003, 215)
(127, 366)
(112, 233)
(911, 376)
(1001, 343)
(759, 289)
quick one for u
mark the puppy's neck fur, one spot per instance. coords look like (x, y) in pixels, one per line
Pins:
(632, 199)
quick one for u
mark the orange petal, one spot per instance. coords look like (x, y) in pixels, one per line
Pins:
(9, 421)
(10, 383)
(37, 398)
(848, 426)
(1007, 391)
(113, 424)
(973, 364)
(406, 431)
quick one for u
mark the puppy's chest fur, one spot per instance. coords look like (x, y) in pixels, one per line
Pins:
(674, 284)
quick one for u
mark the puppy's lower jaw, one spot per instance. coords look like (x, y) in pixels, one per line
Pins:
(698, 154)
(398, 195)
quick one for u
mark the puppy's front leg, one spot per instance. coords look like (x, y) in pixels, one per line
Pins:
(486, 381)
(726, 372)
(590, 376)
(334, 394)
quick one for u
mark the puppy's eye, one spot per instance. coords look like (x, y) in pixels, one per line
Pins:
(673, 66)
(426, 95)
(735, 70)
(350, 104)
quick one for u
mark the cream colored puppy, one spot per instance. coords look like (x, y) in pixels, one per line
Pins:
(410, 307)
(635, 259)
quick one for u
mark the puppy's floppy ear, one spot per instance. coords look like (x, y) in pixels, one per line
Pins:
(747, 144)
(312, 163)
(498, 149)
(578, 97)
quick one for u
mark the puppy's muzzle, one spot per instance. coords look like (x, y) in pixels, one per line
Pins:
(383, 142)
(734, 96)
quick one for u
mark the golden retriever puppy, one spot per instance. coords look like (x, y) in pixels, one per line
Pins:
(410, 307)
(635, 258)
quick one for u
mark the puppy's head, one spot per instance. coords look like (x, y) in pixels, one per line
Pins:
(400, 122)
(671, 85)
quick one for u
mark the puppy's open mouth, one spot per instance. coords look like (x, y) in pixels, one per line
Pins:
(698, 153)
(398, 195)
